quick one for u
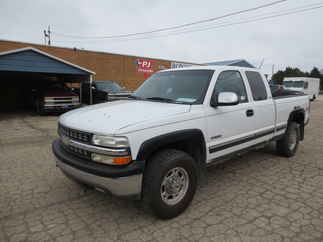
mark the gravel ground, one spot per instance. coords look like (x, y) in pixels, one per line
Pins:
(257, 197)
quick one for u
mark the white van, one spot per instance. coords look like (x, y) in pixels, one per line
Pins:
(308, 85)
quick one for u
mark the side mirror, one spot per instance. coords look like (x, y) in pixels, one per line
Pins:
(93, 88)
(225, 99)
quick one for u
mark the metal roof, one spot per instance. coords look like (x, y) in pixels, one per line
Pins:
(30, 59)
(99, 51)
(238, 62)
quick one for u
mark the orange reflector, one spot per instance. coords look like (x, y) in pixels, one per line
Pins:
(121, 160)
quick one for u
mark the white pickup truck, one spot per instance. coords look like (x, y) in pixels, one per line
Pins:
(154, 145)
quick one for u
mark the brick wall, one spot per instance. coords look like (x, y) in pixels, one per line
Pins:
(119, 68)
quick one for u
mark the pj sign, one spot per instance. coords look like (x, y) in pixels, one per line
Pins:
(145, 66)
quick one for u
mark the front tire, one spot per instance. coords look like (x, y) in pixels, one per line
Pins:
(287, 146)
(170, 183)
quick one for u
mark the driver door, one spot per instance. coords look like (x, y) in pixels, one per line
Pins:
(228, 125)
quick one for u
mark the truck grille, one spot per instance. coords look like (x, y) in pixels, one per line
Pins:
(74, 134)
(77, 151)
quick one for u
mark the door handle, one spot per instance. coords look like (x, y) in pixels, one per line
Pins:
(249, 112)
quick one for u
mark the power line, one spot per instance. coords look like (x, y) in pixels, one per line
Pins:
(235, 23)
(225, 24)
(173, 27)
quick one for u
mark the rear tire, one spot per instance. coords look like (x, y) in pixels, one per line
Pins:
(287, 146)
(169, 183)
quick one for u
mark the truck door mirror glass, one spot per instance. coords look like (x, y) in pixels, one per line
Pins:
(225, 99)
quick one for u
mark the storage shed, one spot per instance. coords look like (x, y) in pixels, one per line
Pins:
(21, 70)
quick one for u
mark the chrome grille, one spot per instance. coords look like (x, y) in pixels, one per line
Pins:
(74, 134)
(77, 151)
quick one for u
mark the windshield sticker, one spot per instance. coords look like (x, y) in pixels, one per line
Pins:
(184, 99)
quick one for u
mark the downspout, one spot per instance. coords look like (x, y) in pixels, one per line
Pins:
(91, 100)
(81, 96)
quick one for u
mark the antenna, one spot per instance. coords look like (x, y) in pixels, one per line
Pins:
(47, 35)
(261, 63)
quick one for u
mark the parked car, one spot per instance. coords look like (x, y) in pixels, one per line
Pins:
(154, 146)
(307, 85)
(54, 97)
(104, 91)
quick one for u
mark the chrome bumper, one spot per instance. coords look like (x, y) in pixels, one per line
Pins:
(120, 186)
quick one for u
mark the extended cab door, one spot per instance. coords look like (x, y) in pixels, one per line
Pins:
(228, 125)
(262, 105)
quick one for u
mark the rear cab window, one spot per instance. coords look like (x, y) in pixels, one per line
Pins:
(257, 86)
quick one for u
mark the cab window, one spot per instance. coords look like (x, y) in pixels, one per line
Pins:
(231, 81)
(257, 85)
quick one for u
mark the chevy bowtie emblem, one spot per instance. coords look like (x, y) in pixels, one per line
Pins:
(65, 140)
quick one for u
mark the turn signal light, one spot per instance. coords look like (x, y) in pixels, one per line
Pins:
(121, 160)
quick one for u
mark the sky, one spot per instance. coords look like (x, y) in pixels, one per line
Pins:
(294, 40)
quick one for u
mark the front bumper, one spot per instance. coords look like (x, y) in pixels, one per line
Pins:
(60, 107)
(125, 181)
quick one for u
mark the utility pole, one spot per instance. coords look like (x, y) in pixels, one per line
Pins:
(261, 63)
(47, 35)
(273, 70)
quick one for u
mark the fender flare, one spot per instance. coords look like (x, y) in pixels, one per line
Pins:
(293, 114)
(154, 144)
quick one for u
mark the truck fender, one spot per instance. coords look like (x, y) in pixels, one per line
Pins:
(191, 137)
(298, 116)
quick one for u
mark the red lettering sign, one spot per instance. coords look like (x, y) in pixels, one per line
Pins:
(145, 66)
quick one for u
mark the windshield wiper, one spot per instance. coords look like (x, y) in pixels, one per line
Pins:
(160, 99)
(135, 97)
(164, 99)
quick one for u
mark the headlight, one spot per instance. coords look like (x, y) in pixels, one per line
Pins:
(110, 141)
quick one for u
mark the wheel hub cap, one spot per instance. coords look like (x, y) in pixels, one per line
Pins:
(174, 185)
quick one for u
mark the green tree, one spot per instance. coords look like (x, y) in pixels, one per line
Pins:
(279, 76)
(315, 73)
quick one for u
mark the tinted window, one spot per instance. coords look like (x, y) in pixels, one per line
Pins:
(231, 81)
(186, 86)
(257, 85)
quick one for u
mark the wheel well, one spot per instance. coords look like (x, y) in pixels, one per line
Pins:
(298, 117)
(190, 141)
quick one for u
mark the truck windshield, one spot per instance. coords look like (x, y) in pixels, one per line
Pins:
(182, 86)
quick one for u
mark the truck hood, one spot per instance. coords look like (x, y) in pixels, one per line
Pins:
(109, 118)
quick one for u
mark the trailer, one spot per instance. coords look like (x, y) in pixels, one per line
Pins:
(307, 85)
